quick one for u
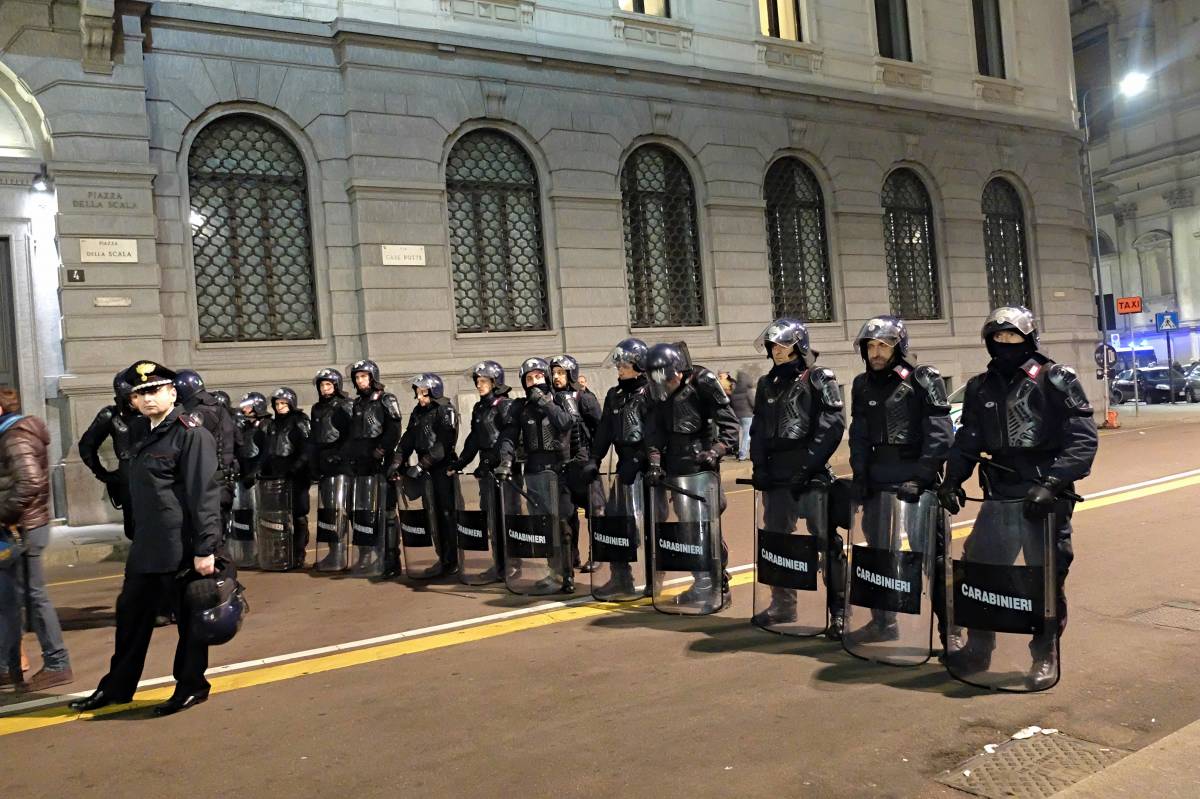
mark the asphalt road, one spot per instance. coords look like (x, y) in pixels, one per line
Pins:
(589, 700)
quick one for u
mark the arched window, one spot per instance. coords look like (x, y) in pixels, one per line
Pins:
(662, 241)
(251, 233)
(909, 246)
(495, 235)
(1004, 245)
(798, 249)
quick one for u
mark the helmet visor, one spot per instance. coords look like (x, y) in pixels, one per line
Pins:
(784, 334)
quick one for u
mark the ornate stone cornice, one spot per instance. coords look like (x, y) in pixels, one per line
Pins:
(1179, 197)
(1124, 211)
(96, 35)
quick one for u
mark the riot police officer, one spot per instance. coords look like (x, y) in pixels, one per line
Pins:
(331, 419)
(541, 430)
(189, 385)
(121, 423)
(580, 476)
(900, 434)
(798, 425)
(285, 457)
(254, 414)
(692, 427)
(374, 434)
(623, 423)
(1033, 417)
(489, 417)
(432, 434)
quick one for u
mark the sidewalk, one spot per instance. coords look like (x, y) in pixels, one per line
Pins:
(1165, 770)
(94, 543)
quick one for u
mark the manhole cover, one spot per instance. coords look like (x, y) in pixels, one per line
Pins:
(1181, 615)
(1032, 768)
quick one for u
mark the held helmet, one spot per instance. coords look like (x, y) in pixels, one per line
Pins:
(121, 387)
(790, 333)
(631, 351)
(187, 383)
(534, 365)
(287, 395)
(371, 368)
(488, 369)
(430, 381)
(222, 398)
(888, 329)
(568, 365)
(664, 362)
(1010, 317)
(333, 376)
(216, 606)
(256, 402)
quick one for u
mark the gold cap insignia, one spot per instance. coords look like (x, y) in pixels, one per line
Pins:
(144, 369)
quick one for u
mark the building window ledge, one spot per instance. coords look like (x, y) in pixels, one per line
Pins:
(671, 34)
(801, 56)
(507, 12)
(998, 90)
(903, 74)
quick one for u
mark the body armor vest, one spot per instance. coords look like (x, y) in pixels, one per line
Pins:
(122, 436)
(424, 427)
(370, 417)
(686, 418)
(324, 413)
(278, 435)
(630, 412)
(894, 419)
(788, 408)
(250, 432)
(1018, 420)
(486, 422)
(539, 435)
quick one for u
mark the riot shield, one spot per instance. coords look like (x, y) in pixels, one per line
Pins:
(533, 534)
(618, 539)
(333, 523)
(418, 526)
(889, 612)
(477, 529)
(1001, 600)
(790, 561)
(243, 524)
(368, 535)
(685, 533)
(276, 552)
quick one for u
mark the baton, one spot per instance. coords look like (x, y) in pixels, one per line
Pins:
(521, 491)
(676, 489)
(984, 457)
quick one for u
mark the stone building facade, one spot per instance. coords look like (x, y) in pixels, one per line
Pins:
(432, 182)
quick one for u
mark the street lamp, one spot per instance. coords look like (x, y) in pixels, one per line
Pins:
(1133, 84)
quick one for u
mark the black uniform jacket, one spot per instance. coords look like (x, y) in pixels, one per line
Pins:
(176, 497)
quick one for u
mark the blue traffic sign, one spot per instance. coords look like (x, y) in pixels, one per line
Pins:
(1167, 320)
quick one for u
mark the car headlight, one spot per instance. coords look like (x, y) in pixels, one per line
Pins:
(1162, 387)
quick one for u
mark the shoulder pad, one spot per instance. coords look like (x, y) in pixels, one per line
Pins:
(709, 387)
(825, 382)
(1064, 379)
(450, 414)
(106, 413)
(392, 405)
(191, 420)
(305, 426)
(930, 379)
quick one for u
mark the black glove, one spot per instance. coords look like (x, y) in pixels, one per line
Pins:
(588, 472)
(425, 462)
(1039, 501)
(910, 491)
(393, 470)
(414, 472)
(707, 459)
(503, 473)
(539, 393)
(655, 474)
(761, 482)
(951, 497)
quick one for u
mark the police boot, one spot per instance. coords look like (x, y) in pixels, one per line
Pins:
(782, 609)
(332, 561)
(974, 656)
(391, 564)
(492, 575)
(882, 627)
(299, 542)
(1043, 674)
(701, 589)
(837, 624)
(589, 567)
(621, 582)
(436, 570)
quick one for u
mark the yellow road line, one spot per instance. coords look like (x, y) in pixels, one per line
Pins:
(48, 717)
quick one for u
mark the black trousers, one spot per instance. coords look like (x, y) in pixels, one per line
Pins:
(141, 597)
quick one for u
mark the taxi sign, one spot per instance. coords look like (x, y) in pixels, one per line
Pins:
(1129, 305)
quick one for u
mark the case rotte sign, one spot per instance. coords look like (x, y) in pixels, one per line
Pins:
(1129, 305)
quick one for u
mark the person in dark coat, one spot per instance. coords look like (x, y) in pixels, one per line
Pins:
(121, 423)
(176, 497)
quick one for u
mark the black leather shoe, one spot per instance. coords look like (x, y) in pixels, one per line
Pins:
(1043, 675)
(589, 567)
(97, 700)
(177, 704)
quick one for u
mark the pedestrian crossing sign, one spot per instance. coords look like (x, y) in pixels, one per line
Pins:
(1167, 320)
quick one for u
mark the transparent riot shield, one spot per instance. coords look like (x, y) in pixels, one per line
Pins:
(477, 525)
(685, 533)
(274, 537)
(618, 540)
(1001, 600)
(534, 554)
(243, 524)
(333, 523)
(418, 526)
(889, 608)
(368, 536)
(791, 594)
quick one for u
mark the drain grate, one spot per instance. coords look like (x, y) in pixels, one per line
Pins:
(1032, 768)
(1180, 615)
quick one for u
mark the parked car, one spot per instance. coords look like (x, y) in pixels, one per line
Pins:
(1154, 385)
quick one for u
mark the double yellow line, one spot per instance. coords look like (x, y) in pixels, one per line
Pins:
(221, 683)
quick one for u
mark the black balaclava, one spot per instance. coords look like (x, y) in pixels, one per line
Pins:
(1008, 358)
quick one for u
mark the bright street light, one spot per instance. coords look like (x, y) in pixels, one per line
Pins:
(1134, 84)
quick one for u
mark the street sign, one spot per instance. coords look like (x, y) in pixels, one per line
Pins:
(1105, 353)
(1129, 305)
(1114, 339)
(1167, 320)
